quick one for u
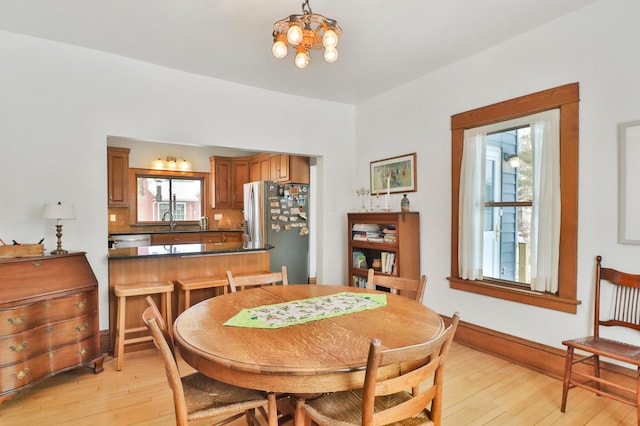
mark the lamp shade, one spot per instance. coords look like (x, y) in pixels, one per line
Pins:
(58, 211)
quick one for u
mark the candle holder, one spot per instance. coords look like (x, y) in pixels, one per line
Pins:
(363, 192)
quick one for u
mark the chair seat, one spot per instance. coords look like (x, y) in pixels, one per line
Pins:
(345, 408)
(201, 283)
(608, 348)
(142, 288)
(228, 399)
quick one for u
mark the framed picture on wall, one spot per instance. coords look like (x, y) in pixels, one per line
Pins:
(395, 174)
(629, 175)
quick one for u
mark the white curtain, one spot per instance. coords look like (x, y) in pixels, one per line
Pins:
(471, 204)
(545, 220)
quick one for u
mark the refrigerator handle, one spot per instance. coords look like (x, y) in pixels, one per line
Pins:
(249, 222)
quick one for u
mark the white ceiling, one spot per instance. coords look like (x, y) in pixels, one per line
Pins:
(385, 43)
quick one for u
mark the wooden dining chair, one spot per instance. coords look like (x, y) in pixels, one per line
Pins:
(197, 396)
(622, 311)
(385, 397)
(413, 289)
(257, 279)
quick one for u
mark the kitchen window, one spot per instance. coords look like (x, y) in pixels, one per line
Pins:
(169, 195)
(488, 222)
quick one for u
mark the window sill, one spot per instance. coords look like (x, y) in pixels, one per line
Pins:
(527, 297)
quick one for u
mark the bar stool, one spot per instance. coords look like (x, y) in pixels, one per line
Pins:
(123, 291)
(188, 285)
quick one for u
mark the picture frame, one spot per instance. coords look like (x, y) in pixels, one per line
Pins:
(628, 175)
(393, 175)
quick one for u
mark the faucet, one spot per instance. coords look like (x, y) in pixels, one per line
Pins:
(172, 223)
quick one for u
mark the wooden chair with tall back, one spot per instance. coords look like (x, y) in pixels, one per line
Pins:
(197, 396)
(624, 312)
(413, 289)
(385, 397)
(257, 279)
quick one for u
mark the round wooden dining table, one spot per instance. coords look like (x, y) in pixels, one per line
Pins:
(320, 356)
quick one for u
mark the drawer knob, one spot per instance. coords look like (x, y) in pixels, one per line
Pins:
(82, 352)
(18, 348)
(36, 263)
(17, 320)
(81, 304)
(83, 327)
(21, 374)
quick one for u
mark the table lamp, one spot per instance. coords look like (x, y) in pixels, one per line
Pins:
(58, 212)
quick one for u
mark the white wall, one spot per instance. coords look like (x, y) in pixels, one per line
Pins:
(59, 103)
(595, 46)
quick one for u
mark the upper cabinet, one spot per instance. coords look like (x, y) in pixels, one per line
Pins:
(240, 174)
(220, 182)
(281, 168)
(118, 176)
(260, 167)
(228, 176)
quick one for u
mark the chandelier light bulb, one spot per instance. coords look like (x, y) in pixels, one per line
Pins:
(302, 59)
(279, 49)
(303, 33)
(331, 54)
(330, 39)
(294, 34)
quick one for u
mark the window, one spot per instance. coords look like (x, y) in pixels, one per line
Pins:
(160, 192)
(504, 245)
(508, 206)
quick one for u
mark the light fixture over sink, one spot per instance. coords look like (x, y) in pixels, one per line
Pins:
(305, 32)
(172, 163)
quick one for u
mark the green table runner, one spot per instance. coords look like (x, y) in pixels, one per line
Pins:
(305, 310)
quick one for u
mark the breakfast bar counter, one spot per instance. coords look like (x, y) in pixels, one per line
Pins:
(162, 263)
(183, 250)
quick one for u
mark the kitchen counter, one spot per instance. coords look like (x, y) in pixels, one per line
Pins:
(183, 250)
(173, 262)
(175, 231)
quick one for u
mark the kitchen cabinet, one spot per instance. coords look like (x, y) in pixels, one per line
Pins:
(240, 174)
(220, 182)
(387, 242)
(280, 168)
(279, 164)
(298, 169)
(221, 237)
(228, 175)
(118, 176)
(260, 167)
(49, 319)
(233, 237)
(175, 238)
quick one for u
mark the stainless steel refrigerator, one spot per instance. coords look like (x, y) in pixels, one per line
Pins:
(277, 214)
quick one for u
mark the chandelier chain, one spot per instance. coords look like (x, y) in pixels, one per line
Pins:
(306, 9)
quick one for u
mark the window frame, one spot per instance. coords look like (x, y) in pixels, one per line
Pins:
(566, 98)
(133, 180)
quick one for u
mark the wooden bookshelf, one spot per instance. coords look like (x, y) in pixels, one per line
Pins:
(372, 237)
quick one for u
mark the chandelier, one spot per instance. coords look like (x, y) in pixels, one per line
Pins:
(305, 32)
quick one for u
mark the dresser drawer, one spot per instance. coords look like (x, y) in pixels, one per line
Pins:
(15, 376)
(21, 318)
(19, 347)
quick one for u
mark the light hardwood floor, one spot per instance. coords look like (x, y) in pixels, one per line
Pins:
(480, 389)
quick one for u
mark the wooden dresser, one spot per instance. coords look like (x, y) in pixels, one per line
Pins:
(48, 319)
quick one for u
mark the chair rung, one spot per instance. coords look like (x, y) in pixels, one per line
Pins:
(133, 330)
(138, 340)
(605, 393)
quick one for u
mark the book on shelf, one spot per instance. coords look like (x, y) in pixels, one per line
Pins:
(390, 265)
(388, 262)
(359, 260)
(358, 281)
